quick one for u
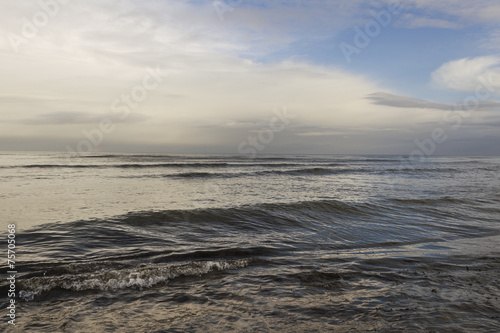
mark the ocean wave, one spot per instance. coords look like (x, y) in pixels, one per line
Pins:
(110, 279)
(415, 170)
(123, 166)
(230, 170)
(82, 238)
(264, 215)
(306, 171)
(293, 172)
(431, 202)
(194, 175)
(254, 216)
(171, 235)
(375, 160)
(140, 156)
(152, 165)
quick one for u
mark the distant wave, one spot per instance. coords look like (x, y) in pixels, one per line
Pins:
(125, 166)
(194, 175)
(171, 165)
(231, 170)
(294, 172)
(54, 166)
(306, 171)
(152, 165)
(416, 170)
(428, 202)
(375, 160)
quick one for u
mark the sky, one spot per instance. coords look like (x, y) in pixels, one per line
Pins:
(416, 77)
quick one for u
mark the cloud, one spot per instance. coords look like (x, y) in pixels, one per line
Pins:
(75, 117)
(468, 73)
(317, 130)
(146, 31)
(495, 123)
(412, 21)
(26, 98)
(381, 98)
(221, 85)
(461, 12)
(491, 40)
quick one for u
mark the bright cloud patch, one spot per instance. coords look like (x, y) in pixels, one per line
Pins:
(468, 73)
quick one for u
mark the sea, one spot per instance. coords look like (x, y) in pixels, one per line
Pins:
(224, 243)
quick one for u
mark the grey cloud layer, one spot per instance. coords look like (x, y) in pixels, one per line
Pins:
(75, 117)
(385, 99)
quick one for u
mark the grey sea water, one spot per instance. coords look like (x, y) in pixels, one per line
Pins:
(163, 243)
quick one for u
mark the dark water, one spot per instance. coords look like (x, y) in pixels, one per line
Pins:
(159, 243)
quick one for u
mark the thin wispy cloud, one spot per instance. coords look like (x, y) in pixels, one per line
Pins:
(76, 117)
(396, 101)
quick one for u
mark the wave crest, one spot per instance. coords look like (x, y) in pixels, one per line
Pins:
(143, 276)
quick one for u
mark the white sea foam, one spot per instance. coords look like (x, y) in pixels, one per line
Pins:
(143, 276)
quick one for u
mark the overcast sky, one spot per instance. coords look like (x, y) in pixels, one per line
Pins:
(354, 77)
